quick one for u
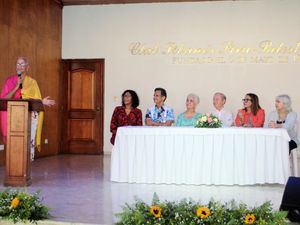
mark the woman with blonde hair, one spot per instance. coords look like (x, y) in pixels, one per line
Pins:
(284, 117)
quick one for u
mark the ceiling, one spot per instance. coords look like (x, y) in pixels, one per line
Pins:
(102, 2)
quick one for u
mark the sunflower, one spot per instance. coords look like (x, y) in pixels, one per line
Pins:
(203, 212)
(155, 210)
(250, 218)
(15, 202)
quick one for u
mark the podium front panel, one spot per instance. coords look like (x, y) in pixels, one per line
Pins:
(18, 144)
(16, 120)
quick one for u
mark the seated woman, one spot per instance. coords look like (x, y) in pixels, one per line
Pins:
(190, 116)
(252, 115)
(283, 117)
(126, 115)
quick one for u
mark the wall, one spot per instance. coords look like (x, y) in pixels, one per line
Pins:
(229, 39)
(33, 29)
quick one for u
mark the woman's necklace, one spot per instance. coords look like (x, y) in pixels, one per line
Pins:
(281, 117)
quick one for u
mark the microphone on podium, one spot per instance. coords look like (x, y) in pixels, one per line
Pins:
(19, 72)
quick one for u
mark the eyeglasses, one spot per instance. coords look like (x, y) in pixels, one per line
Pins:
(246, 99)
(21, 64)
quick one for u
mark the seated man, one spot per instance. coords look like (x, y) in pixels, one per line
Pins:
(160, 114)
(225, 116)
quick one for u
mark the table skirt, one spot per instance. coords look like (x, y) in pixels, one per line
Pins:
(223, 156)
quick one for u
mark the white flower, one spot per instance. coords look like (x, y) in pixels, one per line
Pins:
(215, 120)
(204, 118)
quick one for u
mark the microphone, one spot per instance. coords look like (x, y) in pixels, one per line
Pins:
(19, 72)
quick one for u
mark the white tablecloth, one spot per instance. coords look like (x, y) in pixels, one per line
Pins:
(182, 155)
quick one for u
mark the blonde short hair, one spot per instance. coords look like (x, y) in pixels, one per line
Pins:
(286, 100)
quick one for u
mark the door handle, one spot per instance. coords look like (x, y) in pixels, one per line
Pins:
(98, 108)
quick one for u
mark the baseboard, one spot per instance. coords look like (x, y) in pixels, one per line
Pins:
(107, 152)
(107, 149)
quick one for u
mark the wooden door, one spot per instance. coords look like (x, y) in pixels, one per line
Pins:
(82, 120)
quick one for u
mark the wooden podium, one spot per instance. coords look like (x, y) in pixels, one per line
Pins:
(17, 169)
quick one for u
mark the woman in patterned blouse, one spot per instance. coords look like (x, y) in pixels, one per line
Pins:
(126, 115)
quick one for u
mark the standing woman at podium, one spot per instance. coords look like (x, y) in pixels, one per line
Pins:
(22, 86)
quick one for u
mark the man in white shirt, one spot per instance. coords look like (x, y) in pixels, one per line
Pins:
(225, 116)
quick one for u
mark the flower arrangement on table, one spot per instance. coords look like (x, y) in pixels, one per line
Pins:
(19, 206)
(188, 212)
(208, 120)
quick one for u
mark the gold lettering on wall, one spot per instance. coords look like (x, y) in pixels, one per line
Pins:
(269, 47)
(138, 48)
(265, 52)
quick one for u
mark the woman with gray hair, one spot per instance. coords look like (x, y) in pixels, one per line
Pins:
(190, 116)
(284, 117)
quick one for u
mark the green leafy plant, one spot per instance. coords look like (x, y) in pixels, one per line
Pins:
(208, 121)
(188, 212)
(19, 206)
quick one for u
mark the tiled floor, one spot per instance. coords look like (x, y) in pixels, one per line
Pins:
(77, 188)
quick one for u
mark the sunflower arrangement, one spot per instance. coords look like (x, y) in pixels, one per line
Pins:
(155, 210)
(250, 219)
(19, 206)
(203, 212)
(188, 212)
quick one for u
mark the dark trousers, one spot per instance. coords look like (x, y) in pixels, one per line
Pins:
(292, 145)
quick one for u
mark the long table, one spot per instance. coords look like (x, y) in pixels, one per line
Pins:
(183, 155)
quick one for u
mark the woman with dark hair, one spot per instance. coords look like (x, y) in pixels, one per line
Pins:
(252, 115)
(126, 115)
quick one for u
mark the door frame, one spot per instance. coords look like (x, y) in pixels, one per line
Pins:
(64, 99)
